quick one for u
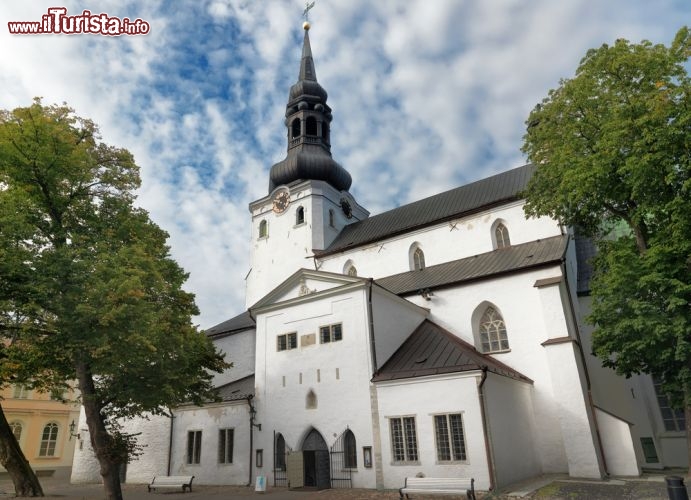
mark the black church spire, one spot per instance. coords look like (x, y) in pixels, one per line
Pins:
(308, 119)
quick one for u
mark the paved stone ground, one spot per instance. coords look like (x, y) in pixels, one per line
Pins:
(648, 487)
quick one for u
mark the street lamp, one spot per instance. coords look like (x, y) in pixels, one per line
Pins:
(72, 434)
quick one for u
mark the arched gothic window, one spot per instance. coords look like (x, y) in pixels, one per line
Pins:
(280, 453)
(16, 428)
(49, 439)
(263, 229)
(300, 216)
(501, 235)
(311, 400)
(352, 271)
(295, 128)
(492, 331)
(418, 259)
(311, 126)
(349, 450)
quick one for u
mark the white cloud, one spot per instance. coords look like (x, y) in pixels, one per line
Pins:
(426, 95)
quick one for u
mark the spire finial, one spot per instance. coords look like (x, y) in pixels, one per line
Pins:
(306, 13)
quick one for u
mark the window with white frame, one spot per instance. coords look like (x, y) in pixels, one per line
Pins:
(194, 447)
(287, 341)
(20, 392)
(492, 329)
(225, 446)
(49, 439)
(448, 432)
(403, 439)
(330, 333)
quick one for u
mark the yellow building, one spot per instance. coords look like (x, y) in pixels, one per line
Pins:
(45, 427)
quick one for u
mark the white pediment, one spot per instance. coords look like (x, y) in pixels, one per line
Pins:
(305, 283)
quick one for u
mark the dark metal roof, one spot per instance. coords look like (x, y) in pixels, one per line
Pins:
(238, 389)
(505, 260)
(237, 324)
(432, 350)
(445, 206)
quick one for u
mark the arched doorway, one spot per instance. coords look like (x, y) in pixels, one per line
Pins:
(316, 461)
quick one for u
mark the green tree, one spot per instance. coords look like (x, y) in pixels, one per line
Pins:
(613, 150)
(93, 294)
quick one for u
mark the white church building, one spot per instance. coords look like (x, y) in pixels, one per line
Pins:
(444, 338)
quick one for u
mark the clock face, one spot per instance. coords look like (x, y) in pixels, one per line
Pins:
(281, 201)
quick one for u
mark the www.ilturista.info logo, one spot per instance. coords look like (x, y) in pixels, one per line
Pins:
(56, 21)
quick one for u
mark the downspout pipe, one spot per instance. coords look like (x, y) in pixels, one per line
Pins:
(370, 317)
(170, 442)
(485, 428)
(251, 412)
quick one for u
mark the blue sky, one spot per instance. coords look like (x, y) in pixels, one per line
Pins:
(426, 95)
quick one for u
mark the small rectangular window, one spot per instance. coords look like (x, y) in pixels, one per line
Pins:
(448, 430)
(403, 439)
(225, 446)
(330, 333)
(649, 450)
(287, 341)
(194, 447)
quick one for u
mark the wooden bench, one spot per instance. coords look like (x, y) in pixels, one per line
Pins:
(439, 486)
(184, 482)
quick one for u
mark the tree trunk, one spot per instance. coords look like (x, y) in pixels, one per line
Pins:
(12, 459)
(98, 434)
(687, 415)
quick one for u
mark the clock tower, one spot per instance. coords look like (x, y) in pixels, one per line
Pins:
(308, 202)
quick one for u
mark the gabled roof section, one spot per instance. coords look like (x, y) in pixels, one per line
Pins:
(432, 350)
(239, 323)
(238, 389)
(502, 261)
(301, 284)
(459, 202)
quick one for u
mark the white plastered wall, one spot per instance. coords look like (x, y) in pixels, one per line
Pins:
(423, 398)
(457, 239)
(239, 350)
(511, 428)
(338, 373)
(210, 420)
(617, 445)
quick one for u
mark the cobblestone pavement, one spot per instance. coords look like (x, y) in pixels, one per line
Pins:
(649, 487)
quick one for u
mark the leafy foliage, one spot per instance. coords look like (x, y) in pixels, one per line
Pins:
(613, 149)
(88, 290)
